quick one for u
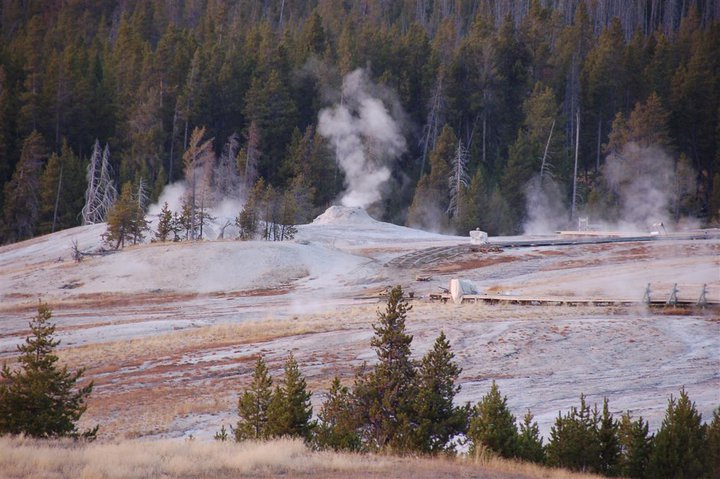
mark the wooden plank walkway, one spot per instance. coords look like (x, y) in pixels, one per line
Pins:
(678, 296)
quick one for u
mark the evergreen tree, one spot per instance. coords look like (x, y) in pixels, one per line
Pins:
(21, 201)
(40, 399)
(713, 445)
(438, 419)
(287, 216)
(198, 163)
(268, 103)
(386, 394)
(253, 405)
(537, 150)
(186, 220)
(492, 425)
(290, 411)
(680, 448)
(62, 187)
(574, 439)
(635, 447)
(126, 220)
(608, 441)
(473, 213)
(529, 442)
(165, 223)
(337, 424)
(431, 200)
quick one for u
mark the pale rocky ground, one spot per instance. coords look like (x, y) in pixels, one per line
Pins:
(170, 332)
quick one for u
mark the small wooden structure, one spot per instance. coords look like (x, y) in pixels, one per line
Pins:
(679, 296)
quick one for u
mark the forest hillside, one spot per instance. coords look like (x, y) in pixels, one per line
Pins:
(445, 115)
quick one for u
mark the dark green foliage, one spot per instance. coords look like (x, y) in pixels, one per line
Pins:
(337, 425)
(430, 203)
(39, 398)
(21, 201)
(165, 224)
(608, 442)
(635, 447)
(248, 220)
(680, 450)
(253, 405)
(186, 220)
(62, 186)
(289, 411)
(574, 441)
(141, 76)
(713, 445)
(386, 394)
(437, 418)
(126, 220)
(222, 435)
(529, 442)
(492, 425)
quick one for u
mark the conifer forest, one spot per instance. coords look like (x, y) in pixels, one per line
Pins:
(479, 112)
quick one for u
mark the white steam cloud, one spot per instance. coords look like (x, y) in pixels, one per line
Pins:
(546, 212)
(643, 180)
(367, 139)
(642, 187)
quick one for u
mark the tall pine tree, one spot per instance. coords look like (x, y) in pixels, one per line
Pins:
(41, 399)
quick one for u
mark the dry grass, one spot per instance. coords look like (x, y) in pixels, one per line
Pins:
(198, 338)
(175, 459)
(525, 469)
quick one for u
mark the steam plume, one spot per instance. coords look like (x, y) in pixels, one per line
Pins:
(641, 187)
(367, 139)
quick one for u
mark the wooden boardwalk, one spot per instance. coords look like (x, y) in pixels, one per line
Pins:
(696, 296)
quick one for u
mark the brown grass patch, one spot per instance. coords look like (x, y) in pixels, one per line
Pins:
(203, 338)
(175, 459)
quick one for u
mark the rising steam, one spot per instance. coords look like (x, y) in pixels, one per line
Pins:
(367, 139)
(640, 188)
(546, 212)
(643, 181)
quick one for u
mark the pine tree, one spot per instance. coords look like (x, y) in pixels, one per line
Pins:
(165, 223)
(337, 423)
(268, 103)
(186, 220)
(40, 399)
(492, 425)
(253, 405)
(290, 411)
(574, 439)
(713, 445)
(474, 208)
(248, 220)
(431, 200)
(126, 220)
(680, 449)
(635, 447)
(289, 211)
(385, 395)
(608, 442)
(249, 157)
(227, 178)
(530, 443)
(438, 419)
(21, 201)
(62, 187)
(198, 162)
